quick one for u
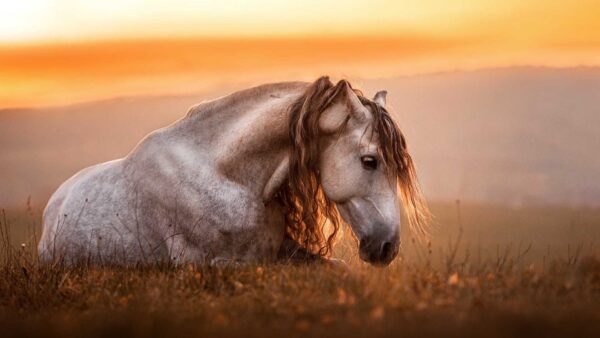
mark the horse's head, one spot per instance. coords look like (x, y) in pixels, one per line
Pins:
(353, 159)
(354, 176)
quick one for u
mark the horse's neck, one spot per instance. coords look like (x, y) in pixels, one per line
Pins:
(247, 133)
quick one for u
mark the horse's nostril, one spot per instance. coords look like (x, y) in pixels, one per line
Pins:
(362, 243)
(386, 250)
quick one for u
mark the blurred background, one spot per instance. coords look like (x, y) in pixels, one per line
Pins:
(500, 101)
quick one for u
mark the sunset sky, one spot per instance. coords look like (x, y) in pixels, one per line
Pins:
(56, 52)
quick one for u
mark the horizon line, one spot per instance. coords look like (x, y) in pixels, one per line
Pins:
(168, 94)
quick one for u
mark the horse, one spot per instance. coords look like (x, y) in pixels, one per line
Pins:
(265, 174)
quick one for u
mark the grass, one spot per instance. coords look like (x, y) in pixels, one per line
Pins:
(488, 271)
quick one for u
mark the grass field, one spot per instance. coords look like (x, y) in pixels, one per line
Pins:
(487, 271)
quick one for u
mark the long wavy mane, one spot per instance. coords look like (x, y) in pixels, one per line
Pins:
(308, 209)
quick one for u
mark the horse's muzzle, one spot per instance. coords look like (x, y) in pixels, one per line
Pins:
(378, 252)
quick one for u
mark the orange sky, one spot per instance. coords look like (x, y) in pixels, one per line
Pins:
(56, 52)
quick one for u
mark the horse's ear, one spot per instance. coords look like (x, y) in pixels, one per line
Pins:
(379, 98)
(357, 109)
(346, 103)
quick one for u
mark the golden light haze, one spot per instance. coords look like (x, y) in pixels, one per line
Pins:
(36, 21)
(62, 51)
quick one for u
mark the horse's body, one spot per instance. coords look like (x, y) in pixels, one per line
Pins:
(191, 191)
(198, 190)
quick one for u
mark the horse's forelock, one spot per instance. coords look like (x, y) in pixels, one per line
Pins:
(399, 163)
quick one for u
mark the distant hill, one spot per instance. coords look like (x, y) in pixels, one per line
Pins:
(512, 136)
(515, 136)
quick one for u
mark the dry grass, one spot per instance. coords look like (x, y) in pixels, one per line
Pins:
(546, 287)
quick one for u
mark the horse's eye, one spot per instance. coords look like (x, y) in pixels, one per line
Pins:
(369, 162)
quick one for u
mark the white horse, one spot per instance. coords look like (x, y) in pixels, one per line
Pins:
(255, 176)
